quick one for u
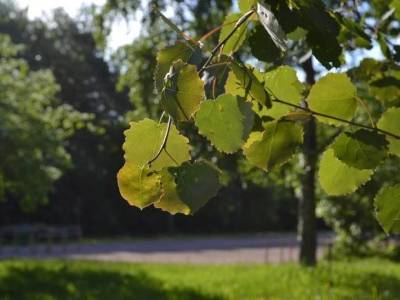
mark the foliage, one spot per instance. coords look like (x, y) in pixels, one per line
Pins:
(346, 164)
(34, 128)
(358, 279)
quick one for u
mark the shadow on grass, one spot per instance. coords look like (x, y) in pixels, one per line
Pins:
(36, 282)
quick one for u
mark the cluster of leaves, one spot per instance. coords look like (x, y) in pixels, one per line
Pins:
(33, 129)
(258, 112)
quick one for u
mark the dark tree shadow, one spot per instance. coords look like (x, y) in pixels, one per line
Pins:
(35, 282)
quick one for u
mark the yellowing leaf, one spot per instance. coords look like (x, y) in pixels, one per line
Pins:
(274, 146)
(227, 114)
(143, 141)
(139, 186)
(387, 204)
(337, 178)
(390, 121)
(333, 95)
(183, 91)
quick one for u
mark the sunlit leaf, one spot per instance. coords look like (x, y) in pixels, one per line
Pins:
(387, 205)
(337, 178)
(274, 146)
(226, 122)
(139, 186)
(237, 39)
(362, 149)
(143, 140)
(183, 92)
(390, 121)
(334, 95)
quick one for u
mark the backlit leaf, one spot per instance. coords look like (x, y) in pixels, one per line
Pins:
(246, 5)
(274, 146)
(170, 200)
(143, 140)
(334, 95)
(183, 92)
(387, 205)
(167, 56)
(237, 39)
(282, 83)
(337, 178)
(250, 84)
(362, 149)
(390, 121)
(226, 122)
(139, 186)
(194, 185)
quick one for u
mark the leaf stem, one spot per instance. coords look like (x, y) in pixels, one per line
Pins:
(164, 142)
(214, 51)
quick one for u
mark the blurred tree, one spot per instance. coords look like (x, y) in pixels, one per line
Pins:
(34, 128)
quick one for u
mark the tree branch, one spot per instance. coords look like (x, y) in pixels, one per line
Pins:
(214, 51)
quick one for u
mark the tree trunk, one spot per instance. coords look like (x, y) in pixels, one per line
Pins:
(307, 233)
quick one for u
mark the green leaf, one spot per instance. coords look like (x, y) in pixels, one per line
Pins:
(390, 121)
(386, 89)
(194, 185)
(139, 186)
(237, 39)
(170, 200)
(271, 25)
(227, 114)
(250, 84)
(337, 178)
(387, 205)
(334, 95)
(167, 56)
(274, 146)
(282, 83)
(143, 140)
(246, 5)
(183, 92)
(262, 47)
(362, 149)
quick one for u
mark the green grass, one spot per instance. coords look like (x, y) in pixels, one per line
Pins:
(356, 280)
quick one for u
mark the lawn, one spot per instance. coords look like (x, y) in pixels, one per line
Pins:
(361, 279)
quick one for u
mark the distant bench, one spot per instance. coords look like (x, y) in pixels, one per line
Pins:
(27, 234)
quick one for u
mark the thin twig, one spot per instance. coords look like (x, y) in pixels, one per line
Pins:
(164, 142)
(337, 119)
(214, 51)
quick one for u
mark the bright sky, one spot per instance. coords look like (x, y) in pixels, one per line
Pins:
(120, 34)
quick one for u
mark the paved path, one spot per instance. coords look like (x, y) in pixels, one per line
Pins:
(271, 248)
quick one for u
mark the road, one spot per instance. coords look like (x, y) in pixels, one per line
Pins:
(268, 248)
